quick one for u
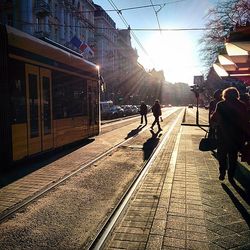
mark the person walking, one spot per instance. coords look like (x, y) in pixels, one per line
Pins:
(217, 97)
(212, 106)
(230, 117)
(143, 112)
(156, 109)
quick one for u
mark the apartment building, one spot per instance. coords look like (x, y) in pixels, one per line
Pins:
(57, 20)
(106, 44)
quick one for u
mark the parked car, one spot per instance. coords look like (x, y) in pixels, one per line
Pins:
(135, 110)
(190, 106)
(128, 110)
(116, 111)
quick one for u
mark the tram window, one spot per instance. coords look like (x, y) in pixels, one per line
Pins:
(46, 105)
(70, 95)
(18, 96)
(33, 105)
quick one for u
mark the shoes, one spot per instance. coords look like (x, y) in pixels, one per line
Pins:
(222, 176)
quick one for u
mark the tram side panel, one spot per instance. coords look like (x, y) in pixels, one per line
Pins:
(75, 111)
(45, 104)
(93, 108)
(70, 109)
(5, 129)
(18, 109)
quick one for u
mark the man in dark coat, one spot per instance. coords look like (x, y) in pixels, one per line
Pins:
(143, 112)
(230, 117)
(156, 109)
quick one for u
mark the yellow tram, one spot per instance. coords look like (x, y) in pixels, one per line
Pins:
(49, 96)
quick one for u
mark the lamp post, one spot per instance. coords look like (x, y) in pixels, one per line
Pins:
(197, 90)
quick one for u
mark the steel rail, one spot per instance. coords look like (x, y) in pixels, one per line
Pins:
(100, 238)
(9, 212)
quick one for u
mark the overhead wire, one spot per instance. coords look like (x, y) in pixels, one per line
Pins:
(128, 27)
(156, 14)
(112, 28)
(108, 10)
(131, 29)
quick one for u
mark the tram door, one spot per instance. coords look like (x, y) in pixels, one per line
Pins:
(90, 105)
(39, 109)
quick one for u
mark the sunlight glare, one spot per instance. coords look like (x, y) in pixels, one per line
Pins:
(172, 53)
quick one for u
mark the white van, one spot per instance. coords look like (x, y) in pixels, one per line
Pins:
(105, 107)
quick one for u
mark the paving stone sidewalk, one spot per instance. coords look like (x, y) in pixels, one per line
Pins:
(184, 205)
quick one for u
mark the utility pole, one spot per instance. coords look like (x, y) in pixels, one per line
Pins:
(197, 108)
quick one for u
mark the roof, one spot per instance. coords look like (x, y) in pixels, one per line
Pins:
(236, 62)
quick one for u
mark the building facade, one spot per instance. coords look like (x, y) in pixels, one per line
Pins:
(57, 20)
(61, 21)
(106, 49)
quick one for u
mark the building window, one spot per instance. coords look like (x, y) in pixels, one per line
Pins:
(56, 11)
(10, 19)
(56, 35)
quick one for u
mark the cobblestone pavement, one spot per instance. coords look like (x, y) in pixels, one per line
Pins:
(182, 204)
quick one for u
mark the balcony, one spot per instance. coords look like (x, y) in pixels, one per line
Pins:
(42, 8)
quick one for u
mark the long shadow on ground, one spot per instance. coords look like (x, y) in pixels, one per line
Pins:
(17, 171)
(242, 176)
(134, 131)
(150, 144)
(237, 204)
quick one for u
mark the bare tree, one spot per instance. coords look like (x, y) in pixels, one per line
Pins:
(220, 20)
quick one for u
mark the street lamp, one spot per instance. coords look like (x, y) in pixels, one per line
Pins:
(197, 90)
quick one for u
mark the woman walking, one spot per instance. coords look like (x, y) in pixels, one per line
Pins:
(230, 117)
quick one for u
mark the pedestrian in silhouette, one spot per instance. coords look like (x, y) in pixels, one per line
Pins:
(230, 117)
(212, 106)
(143, 112)
(244, 97)
(156, 109)
(217, 97)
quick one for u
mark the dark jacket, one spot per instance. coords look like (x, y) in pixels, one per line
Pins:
(143, 109)
(156, 109)
(231, 119)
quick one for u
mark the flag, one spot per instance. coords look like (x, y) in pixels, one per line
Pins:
(88, 50)
(82, 46)
(76, 42)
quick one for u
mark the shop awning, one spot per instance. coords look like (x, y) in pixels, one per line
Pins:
(236, 63)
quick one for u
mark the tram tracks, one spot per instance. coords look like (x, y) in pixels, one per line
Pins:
(107, 227)
(12, 210)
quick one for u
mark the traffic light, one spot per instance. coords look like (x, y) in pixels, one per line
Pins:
(197, 89)
(192, 88)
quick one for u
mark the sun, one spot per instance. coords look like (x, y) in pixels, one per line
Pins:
(172, 52)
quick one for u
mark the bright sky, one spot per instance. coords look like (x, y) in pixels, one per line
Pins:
(174, 52)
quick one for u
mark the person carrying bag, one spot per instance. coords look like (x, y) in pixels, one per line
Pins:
(209, 142)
